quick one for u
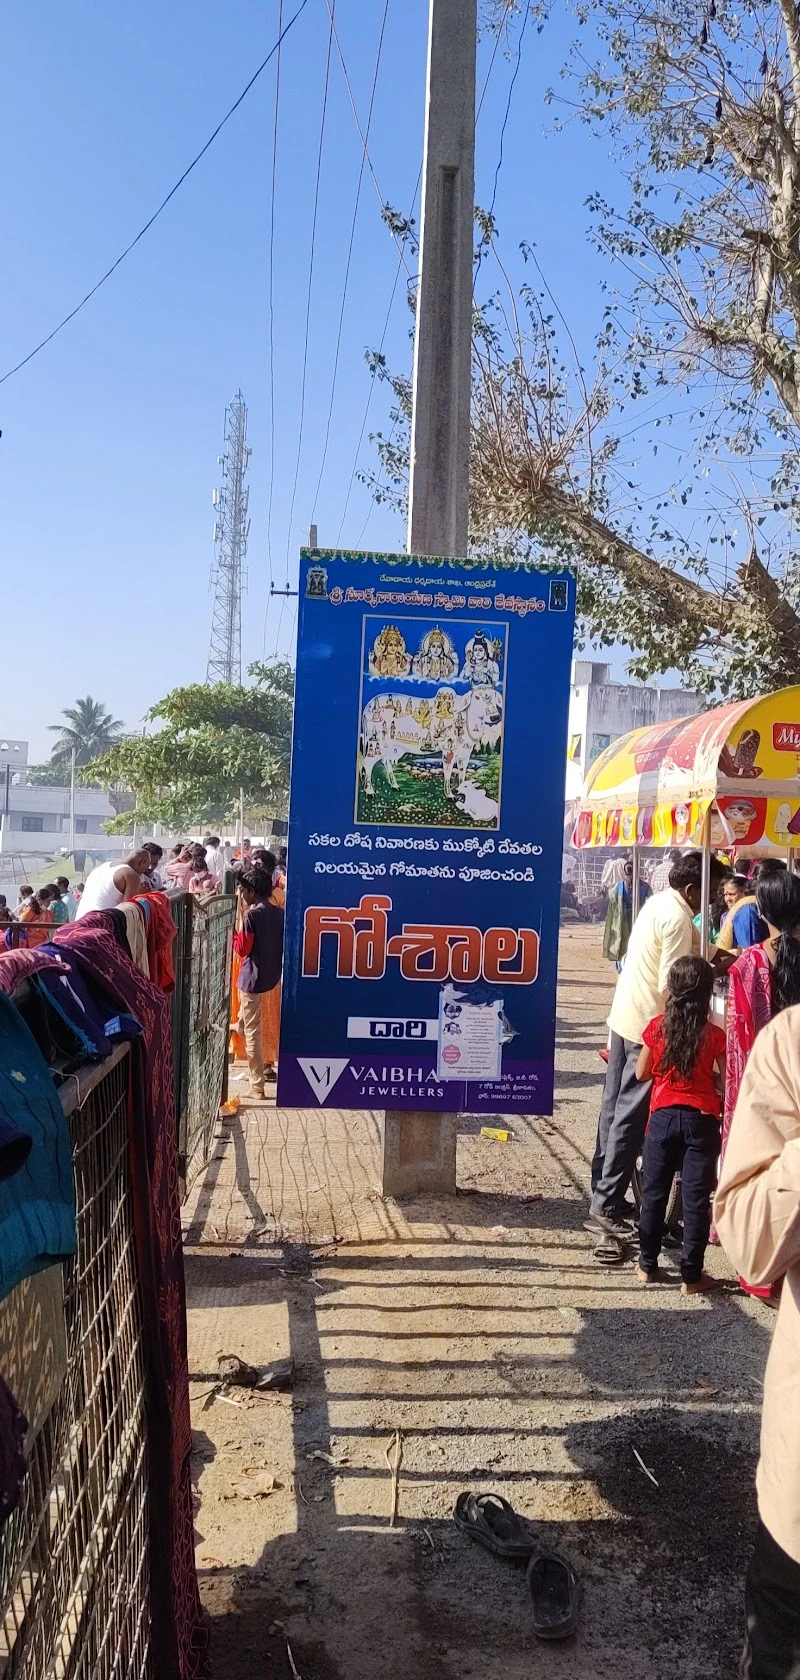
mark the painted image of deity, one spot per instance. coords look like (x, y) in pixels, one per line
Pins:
(389, 656)
(431, 727)
(481, 661)
(436, 659)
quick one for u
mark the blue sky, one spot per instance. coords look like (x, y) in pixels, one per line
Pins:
(110, 436)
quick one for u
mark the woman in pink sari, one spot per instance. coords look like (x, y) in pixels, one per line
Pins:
(764, 980)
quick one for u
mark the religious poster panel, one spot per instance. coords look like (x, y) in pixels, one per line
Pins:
(425, 834)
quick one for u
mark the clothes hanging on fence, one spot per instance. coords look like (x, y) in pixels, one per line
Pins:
(37, 1205)
(119, 928)
(179, 1635)
(13, 1463)
(161, 935)
(136, 931)
(59, 1044)
(19, 965)
(69, 994)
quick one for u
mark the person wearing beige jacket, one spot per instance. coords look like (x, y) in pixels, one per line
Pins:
(757, 1212)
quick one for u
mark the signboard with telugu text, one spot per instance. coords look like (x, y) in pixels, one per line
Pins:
(425, 834)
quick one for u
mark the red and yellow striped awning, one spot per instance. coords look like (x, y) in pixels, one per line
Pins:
(741, 763)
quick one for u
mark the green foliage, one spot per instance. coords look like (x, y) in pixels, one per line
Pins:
(88, 731)
(212, 741)
(702, 334)
(49, 774)
(488, 778)
(419, 799)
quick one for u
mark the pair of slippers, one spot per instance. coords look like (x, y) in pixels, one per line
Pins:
(552, 1583)
(613, 1251)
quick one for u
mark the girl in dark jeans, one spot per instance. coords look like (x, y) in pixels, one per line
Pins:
(684, 1055)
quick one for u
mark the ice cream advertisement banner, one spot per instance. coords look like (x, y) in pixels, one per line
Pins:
(425, 834)
(741, 763)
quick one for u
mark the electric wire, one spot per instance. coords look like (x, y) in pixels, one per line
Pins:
(357, 120)
(498, 38)
(162, 206)
(507, 113)
(401, 248)
(304, 375)
(483, 244)
(271, 311)
(350, 257)
(373, 379)
(374, 374)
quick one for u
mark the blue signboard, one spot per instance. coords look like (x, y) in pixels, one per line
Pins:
(425, 834)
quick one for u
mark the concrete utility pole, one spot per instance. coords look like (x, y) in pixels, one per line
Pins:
(72, 806)
(438, 514)
(419, 1149)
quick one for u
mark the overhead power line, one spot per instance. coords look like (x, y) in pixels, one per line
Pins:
(272, 292)
(373, 377)
(162, 206)
(350, 257)
(309, 290)
(362, 136)
(376, 364)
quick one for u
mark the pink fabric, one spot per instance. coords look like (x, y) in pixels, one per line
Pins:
(749, 1009)
(18, 965)
(179, 1636)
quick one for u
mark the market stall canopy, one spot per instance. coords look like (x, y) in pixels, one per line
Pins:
(740, 763)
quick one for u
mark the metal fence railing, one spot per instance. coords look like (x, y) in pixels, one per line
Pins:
(74, 1556)
(200, 1020)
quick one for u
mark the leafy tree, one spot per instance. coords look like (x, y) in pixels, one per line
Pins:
(213, 740)
(697, 359)
(88, 731)
(49, 774)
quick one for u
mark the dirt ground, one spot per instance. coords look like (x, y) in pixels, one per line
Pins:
(481, 1328)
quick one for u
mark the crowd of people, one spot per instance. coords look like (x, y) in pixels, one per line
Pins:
(44, 907)
(722, 1109)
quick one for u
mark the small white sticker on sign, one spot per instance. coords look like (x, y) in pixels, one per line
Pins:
(470, 1041)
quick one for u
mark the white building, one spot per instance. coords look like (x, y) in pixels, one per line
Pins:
(36, 820)
(601, 710)
(13, 760)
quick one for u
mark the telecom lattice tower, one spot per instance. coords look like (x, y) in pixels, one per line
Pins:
(231, 531)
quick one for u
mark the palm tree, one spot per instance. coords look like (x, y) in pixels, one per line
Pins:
(88, 731)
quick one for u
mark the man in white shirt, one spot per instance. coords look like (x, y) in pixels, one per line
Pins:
(114, 883)
(663, 931)
(215, 862)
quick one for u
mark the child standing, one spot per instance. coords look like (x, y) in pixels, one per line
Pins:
(680, 1053)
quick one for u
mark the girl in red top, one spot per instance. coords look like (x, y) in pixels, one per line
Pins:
(684, 1055)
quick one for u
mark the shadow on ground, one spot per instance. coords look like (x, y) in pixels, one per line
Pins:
(661, 1565)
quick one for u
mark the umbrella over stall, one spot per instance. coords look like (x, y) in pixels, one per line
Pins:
(728, 778)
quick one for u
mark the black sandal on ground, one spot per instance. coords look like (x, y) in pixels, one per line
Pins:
(555, 1594)
(489, 1519)
(610, 1253)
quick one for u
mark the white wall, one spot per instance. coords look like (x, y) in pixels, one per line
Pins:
(52, 843)
(600, 711)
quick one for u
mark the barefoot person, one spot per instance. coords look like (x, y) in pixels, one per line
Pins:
(684, 1056)
(662, 932)
(757, 1213)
